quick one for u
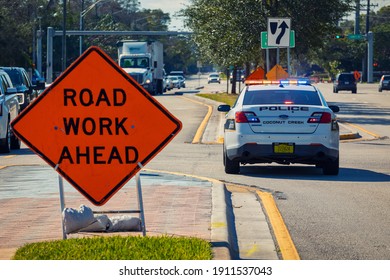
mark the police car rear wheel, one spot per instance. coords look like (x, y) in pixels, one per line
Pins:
(331, 168)
(231, 167)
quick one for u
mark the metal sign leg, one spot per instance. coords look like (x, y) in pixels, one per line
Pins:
(140, 200)
(62, 202)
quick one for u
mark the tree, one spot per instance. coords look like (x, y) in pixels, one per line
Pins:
(233, 27)
(17, 36)
(381, 29)
(18, 20)
(227, 33)
(351, 54)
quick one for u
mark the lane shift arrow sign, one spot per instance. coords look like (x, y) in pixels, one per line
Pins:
(283, 28)
(280, 36)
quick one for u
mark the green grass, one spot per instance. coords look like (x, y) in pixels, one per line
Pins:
(118, 248)
(220, 97)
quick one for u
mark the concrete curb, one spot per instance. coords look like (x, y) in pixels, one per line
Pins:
(349, 136)
(220, 223)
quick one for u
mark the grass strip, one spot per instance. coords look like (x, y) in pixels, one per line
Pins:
(225, 98)
(118, 248)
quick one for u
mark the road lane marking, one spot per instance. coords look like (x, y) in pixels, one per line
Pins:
(362, 129)
(282, 235)
(10, 156)
(253, 250)
(202, 127)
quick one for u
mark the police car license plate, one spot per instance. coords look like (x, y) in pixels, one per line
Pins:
(283, 148)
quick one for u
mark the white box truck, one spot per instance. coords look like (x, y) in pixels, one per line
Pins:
(143, 61)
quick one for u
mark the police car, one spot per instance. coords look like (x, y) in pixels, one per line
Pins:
(284, 122)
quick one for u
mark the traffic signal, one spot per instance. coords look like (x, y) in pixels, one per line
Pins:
(339, 36)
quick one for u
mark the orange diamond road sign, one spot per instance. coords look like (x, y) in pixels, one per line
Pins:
(276, 73)
(96, 126)
(258, 74)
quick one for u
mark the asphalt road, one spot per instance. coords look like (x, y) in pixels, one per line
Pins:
(343, 217)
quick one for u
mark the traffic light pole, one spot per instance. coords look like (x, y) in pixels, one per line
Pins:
(370, 56)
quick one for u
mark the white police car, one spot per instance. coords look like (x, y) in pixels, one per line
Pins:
(282, 122)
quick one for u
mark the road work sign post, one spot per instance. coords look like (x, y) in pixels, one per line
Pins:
(96, 126)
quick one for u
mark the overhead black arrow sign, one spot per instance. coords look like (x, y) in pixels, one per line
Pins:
(283, 26)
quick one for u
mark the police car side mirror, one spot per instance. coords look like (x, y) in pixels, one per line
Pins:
(335, 108)
(224, 108)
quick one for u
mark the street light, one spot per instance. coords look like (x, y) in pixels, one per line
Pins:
(82, 15)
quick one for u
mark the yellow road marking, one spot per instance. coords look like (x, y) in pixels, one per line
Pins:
(283, 238)
(362, 129)
(251, 251)
(203, 125)
(218, 225)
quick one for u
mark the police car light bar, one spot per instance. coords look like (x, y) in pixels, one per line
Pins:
(279, 82)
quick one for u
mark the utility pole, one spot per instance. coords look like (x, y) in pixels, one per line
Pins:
(64, 37)
(368, 17)
(370, 46)
(357, 18)
(81, 27)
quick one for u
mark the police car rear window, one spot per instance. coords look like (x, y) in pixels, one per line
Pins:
(281, 97)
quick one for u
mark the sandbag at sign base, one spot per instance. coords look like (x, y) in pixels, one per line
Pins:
(83, 220)
(125, 223)
(74, 220)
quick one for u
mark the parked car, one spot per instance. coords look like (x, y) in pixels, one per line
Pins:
(384, 83)
(177, 73)
(345, 81)
(22, 82)
(177, 83)
(214, 78)
(9, 109)
(284, 123)
(168, 84)
(240, 76)
(182, 80)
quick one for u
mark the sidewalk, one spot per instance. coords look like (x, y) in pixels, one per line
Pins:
(173, 205)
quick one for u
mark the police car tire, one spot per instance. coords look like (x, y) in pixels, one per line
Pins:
(331, 168)
(231, 167)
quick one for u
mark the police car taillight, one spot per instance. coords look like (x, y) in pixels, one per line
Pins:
(320, 117)
(246, 117)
